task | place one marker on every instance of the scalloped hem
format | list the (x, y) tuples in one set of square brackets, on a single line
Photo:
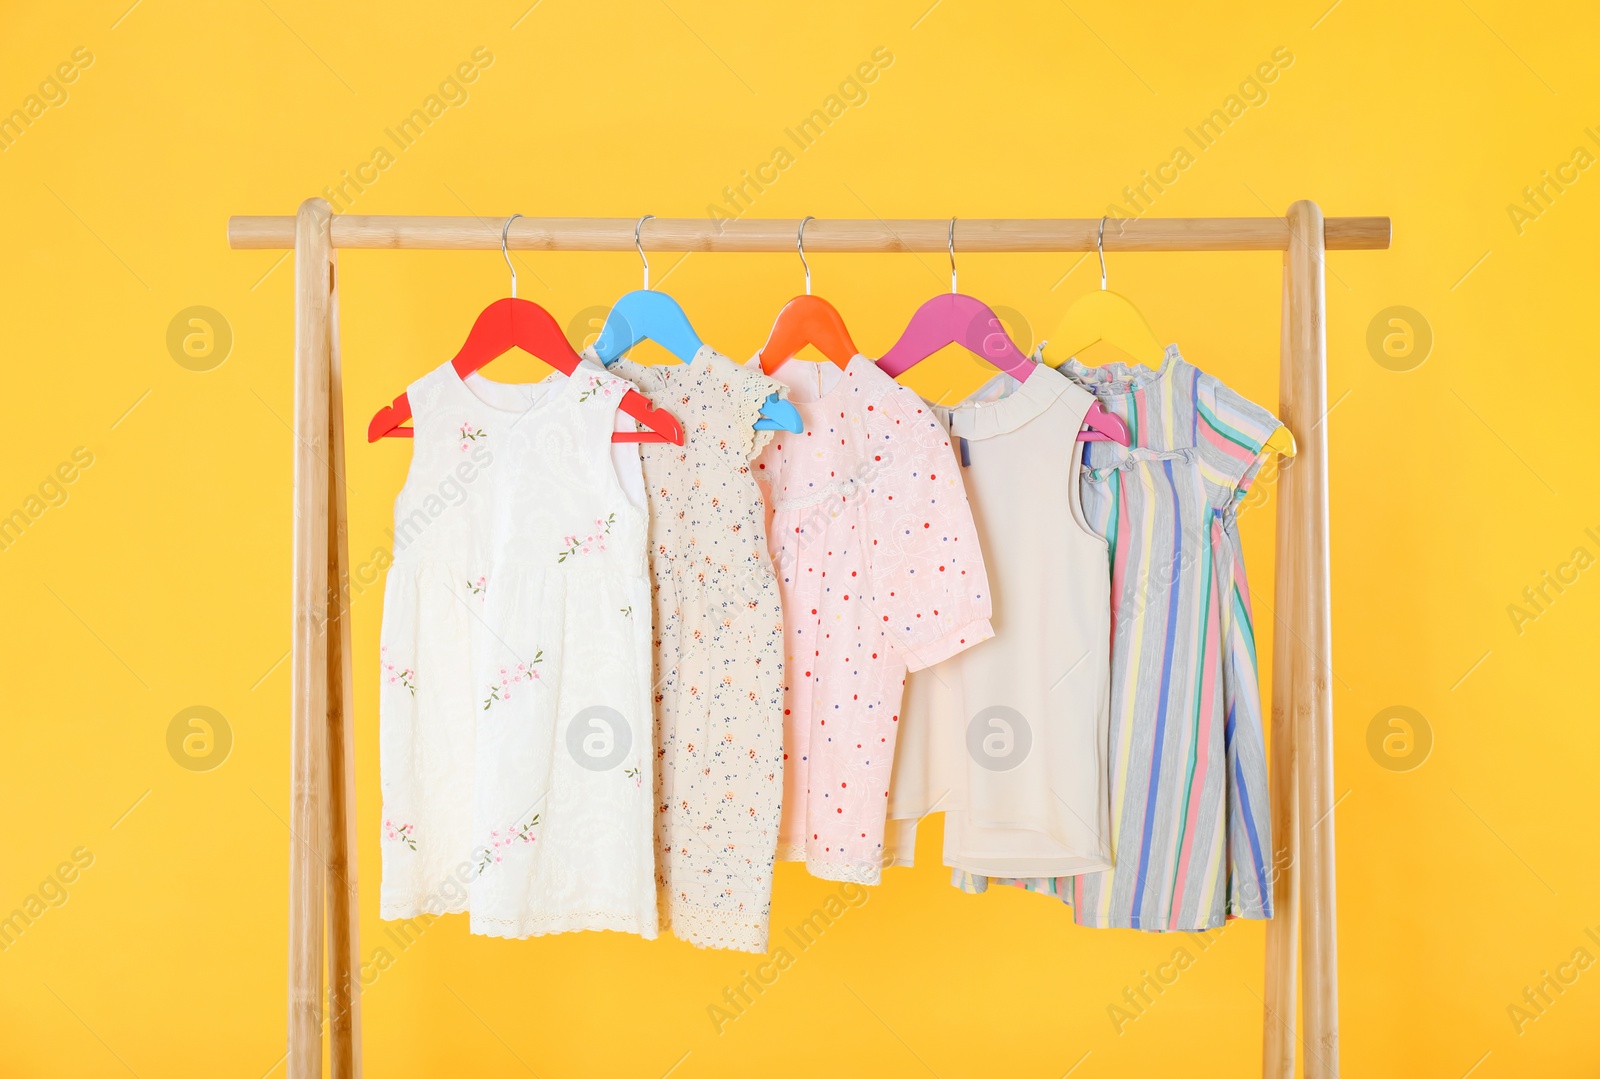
[(393, 910), (844, 872), (714, 930), (548, 924)]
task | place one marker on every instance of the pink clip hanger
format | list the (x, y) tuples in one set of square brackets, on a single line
[(956, 320)]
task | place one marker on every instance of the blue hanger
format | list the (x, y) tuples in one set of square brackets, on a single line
[(646, 314)]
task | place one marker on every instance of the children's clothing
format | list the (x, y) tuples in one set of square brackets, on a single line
[(880, 571), (1189, 814), (514, 711), (1008, 739), (718, 654)]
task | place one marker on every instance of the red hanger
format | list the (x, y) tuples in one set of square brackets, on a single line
[(807, 320), (956, 320), (523, 324)]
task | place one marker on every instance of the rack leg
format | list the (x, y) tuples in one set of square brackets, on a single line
[(309, 650), (344, 990), (1313, 696), (1278, 1021)]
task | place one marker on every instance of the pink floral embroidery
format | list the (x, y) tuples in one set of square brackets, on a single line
[(636, 775), (603, 388), (510, 676), (478, 587), (404, 676), (469, 434), (594, 541), (494, 854), (401, 832)]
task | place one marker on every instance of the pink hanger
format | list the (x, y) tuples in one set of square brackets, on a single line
[(956, 320), (1102, 426)]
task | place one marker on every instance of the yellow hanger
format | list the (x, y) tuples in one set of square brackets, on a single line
[(1111, 318), (1104, 316)]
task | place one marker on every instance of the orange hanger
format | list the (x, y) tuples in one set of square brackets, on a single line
[(807, 320)]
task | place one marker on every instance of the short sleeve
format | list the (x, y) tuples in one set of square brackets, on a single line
[(1230, 433), (929, 589), (750, 392)]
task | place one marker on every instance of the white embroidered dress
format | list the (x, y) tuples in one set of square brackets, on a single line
[(514, 712)]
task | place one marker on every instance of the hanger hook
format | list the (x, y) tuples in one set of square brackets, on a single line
[(640, 246), (505, 254), (951, 244), (1100, 248), (800, 246)]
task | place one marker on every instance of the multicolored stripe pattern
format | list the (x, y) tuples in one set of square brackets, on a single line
[(1189, 815)]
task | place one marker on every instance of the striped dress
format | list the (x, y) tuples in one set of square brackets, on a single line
[(1189, 814)]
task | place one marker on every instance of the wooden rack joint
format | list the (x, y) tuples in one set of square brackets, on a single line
[(1302, 937)]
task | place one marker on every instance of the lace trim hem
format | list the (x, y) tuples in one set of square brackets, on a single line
[(539, 925), (709, 928), (391, 910), (844, 872)]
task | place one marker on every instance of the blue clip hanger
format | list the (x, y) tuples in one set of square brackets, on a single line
[(644, 314)]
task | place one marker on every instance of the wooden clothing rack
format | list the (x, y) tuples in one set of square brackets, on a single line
[(1301, 937)]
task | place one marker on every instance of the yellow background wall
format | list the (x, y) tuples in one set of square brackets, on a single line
[(158, 578)]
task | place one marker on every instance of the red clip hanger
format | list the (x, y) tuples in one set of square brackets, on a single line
[(523, 324), (510, 323)]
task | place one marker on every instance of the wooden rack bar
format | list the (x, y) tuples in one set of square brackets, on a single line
[(323, 987), (704, 234)]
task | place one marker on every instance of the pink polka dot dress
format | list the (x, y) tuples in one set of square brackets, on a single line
[(880, 573)]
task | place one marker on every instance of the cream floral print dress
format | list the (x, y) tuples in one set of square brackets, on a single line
[(718, 654), (514, 706)]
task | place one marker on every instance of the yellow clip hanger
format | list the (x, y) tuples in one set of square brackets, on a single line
[(1104, 317)]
